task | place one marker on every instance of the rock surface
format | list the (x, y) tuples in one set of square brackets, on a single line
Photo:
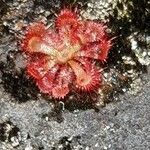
[(121, 125), (30, 121)]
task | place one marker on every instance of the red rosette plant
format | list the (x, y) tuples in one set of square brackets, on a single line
[(64, 59)]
